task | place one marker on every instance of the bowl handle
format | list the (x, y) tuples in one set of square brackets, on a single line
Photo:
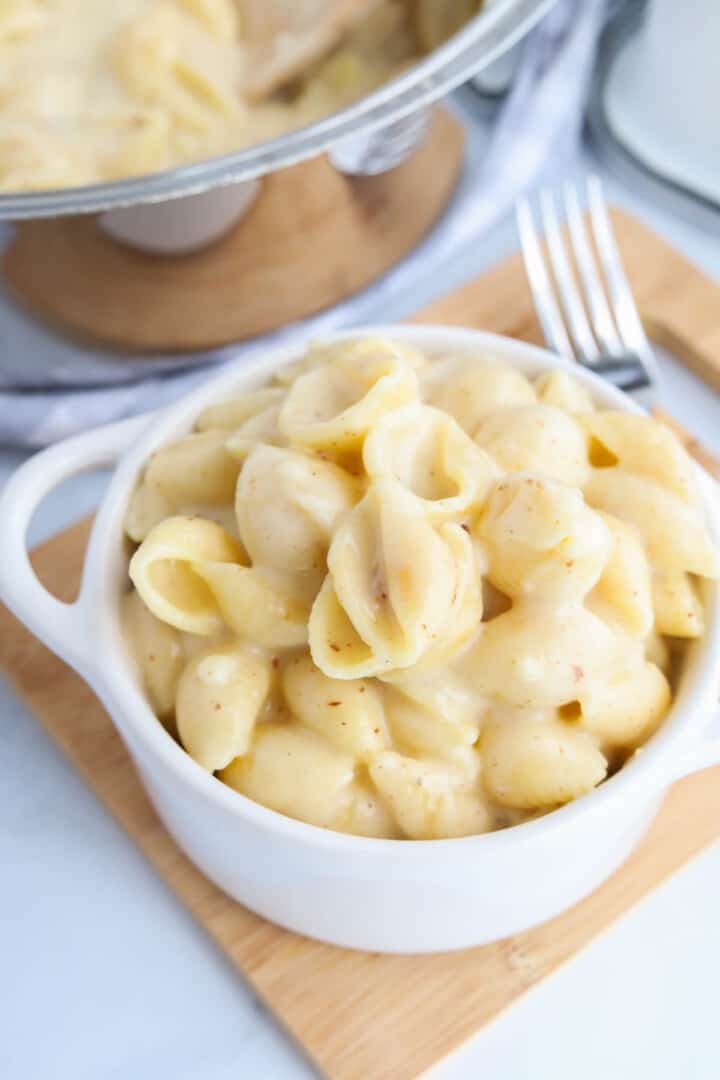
[(59, 625)]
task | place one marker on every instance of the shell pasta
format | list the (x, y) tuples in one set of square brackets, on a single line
[(414, 597)]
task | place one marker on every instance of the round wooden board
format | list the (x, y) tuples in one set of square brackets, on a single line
[(312, 238)]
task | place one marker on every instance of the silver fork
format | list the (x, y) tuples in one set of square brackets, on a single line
[(596, 321)]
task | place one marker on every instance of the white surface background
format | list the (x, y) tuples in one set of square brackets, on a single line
[(104, 975)]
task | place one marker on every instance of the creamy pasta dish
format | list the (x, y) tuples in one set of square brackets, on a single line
[(92, 92), (417, 597)]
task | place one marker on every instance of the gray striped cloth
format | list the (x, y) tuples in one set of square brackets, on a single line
[(52, 387)]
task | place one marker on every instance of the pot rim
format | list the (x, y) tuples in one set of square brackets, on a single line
[(478, 44)]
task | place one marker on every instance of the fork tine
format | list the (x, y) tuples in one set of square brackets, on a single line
[(546, 307), (570, 297), (601, 318), (626, 313)]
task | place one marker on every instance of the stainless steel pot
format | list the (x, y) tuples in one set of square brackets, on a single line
[(368, 136)]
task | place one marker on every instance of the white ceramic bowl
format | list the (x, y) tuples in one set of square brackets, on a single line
[(380, 895)]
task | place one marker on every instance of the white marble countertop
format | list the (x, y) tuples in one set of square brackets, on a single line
[(104, 975)]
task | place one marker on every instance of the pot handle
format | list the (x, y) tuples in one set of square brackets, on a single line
[(59, 625)]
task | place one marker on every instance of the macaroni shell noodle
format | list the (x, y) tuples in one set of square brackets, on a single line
[(164, 59), (419, 730), (429, 799), (530, 764), (288, 506), (471, 389), (445, 695), (231, 415), (413, 596), (335, 644), (146, 142), (298, 773), (347, 712), (539, 656), (642, 446), (673, 531), (676, 606), (398, 580), (20, 19), (220, 17), (559, 389), (31, 160), (197, 469), (219, 697), (536, 438), (430, 455), (148, 507), (261, 428), (658, 652), (350, 353), (259, 603), (465, 612), (333, 407), (541, 539), (164, 572), (192, 473), (319, 353), (623, 594), (160, 653), (626, 708)]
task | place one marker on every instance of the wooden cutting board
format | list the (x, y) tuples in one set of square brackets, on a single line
[(364, 1016)]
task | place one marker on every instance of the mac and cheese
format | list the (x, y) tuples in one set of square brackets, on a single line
[(91, 92), (410, 597)]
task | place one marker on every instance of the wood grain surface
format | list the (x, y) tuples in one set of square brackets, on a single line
[(359, 1016), (311, 238)]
